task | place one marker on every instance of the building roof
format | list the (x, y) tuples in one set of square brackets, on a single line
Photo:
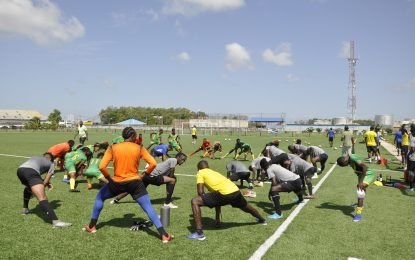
[(131, 121), (266, 119), (18, 114)]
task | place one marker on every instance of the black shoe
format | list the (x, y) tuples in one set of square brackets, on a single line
[(74, 190)]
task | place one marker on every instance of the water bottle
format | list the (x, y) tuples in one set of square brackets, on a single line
[(165, 216)]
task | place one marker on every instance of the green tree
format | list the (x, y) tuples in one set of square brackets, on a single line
[(55, 116)]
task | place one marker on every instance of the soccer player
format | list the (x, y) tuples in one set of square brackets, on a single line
[(317, 155), (299, 149), (59, 151), (174, 140), (365, 177), (194, 134), (238, 145), (29, 174), (82, 131), (75, 163), (370, 140), (282, 180), (411, 159), (161, 150), (256, 170), (301, 167), (93, 171), (398, 141), (238, 171), (331, 134), (348, 141), (155, 138), (223, 192), (217, 147), (125, 157), (405, 145), (164, 174), (206, 147), (246, 148), (271, 151)]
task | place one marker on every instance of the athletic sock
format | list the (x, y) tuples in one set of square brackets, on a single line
[(93, 222), (72, 183), (276, 200), (169, 190), (26, 197), (310, 189), (359, 210), (65, 176), (89, 180), (47, 208), (199, 231)]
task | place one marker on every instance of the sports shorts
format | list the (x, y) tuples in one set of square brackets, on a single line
[(289, 186), (29, 177), (369, 178), (310, 172), (153, 180), (235, 199), (331, 139), (371, 149), (93, 173), (135, 188), (194, 137)]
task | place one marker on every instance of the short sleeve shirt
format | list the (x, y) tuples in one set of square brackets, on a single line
[(164, 167), (216, 182)]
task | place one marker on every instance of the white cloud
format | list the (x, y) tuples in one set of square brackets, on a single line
[(183, 56), (408, 86), (345, 50), (291, 77), (237, 57), (282, 56), (194, 7), (41, 21)]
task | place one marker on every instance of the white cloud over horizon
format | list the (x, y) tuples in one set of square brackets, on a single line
[(282, 56), (195, 7), (40, 21), (237, 57), (183, 56), (407, 86), (291, 77)]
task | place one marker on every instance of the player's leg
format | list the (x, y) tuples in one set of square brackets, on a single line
[(208, 199), (170, 184), (275, 197), (119, 197), (103, 194)]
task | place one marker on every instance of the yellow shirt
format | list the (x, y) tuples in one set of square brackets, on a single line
[(215, 181), (370, 138), (405, 139), (194, 131)]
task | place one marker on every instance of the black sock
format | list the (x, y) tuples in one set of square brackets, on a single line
[(27, 193), (323, 166), (47, 208), (162, 231), (93, 222), (276, 199), (310, 188), (199, 231), (169, 190)]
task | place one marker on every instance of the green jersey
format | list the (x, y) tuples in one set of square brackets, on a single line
[(356, 162), (93, 168), (76, 157), (156, 138), (118, 139)]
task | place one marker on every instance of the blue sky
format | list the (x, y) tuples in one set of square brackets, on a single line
[(217, 56)]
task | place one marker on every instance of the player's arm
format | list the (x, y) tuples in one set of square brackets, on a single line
[(171, 172), (362, 176), (105, 161), (145, 155), (200, 149), (200, 189)]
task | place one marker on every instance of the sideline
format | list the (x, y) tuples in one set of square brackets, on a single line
[(260, 252)]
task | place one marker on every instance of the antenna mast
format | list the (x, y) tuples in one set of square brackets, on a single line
[(351, 101)]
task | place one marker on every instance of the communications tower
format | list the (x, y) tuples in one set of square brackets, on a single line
[(351, 101)]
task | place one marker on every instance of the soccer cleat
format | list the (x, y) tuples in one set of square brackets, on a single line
[(262, 222), (114, 201), (74, 190), (171, 205), (65, 180), (315, 176), (309, 197), (357, 217), (60, 224), (275, 216), (165, 239), (89, 230), (196, 236), (298, 201), (25, 211)]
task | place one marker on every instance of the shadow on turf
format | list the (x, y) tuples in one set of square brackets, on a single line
[(210, 224), (347, 210), (126, 222), (41, 214)]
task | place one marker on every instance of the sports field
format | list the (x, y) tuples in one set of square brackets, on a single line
[(322, 230)]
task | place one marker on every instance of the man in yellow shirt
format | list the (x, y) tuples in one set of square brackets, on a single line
[(223, 192), (405, 145), (194, 134), (370, 139)]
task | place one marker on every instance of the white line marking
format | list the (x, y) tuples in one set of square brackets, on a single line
[(260, 252), (20, 156)]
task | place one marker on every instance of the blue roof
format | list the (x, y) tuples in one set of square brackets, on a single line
[(266, 119), (131, 122)]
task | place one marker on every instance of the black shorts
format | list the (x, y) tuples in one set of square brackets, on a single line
[(235, 199), (323, 158), (404, 149), (29, 177), (240, 176), (310, 172), (410, 166), (153, 180), (135, 188), (194, 137), (82, 140), (399, 145), (371, 149), (289, 186), (331, 139)]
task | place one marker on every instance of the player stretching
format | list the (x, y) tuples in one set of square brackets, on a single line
[(155, 138), (60, 150), (126, 157), (206, 147), (93, 171)]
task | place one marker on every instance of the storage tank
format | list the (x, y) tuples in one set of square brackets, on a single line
[(384, 120), (339, 121)]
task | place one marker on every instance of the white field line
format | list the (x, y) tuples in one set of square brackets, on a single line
[(20, 156), (260, 252)]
